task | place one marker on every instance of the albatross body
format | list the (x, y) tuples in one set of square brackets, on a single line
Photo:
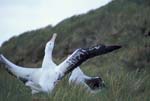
[(38, 79), (44, 79)]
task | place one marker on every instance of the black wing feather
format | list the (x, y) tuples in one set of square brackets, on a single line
[(81, 55)]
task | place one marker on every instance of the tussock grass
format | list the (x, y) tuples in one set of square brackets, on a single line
[(126, 72), (121, 85)]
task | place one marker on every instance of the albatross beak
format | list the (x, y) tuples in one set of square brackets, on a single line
[(53, 37)]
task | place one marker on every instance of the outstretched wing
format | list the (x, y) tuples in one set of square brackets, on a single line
[(79, 78), (81, 55), (22, 73)]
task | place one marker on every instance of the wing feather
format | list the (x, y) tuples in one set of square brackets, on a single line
[(21, 73), (81, 55)]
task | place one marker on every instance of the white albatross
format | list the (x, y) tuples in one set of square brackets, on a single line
[(44, 79), (93, 84)]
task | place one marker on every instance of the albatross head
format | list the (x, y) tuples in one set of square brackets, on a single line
[(50, 44)]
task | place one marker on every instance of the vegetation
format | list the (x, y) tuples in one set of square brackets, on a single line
[(126, 71)]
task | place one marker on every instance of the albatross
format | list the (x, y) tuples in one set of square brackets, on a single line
[(45, 79), (94, 84)]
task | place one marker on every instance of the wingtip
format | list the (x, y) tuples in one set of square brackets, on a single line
[(114, 47), (1, 57), (117, 46), (95, 83), (110, 48)]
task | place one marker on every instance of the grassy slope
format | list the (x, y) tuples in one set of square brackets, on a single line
[(125, 22)]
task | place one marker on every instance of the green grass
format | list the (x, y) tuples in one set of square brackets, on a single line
[(126, 71), (121, 85)]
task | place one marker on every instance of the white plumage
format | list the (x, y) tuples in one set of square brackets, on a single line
[(45, 78), (92, 83), (38, 79)]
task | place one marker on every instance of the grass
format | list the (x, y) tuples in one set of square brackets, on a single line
[(126, 72), (121, 85)]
